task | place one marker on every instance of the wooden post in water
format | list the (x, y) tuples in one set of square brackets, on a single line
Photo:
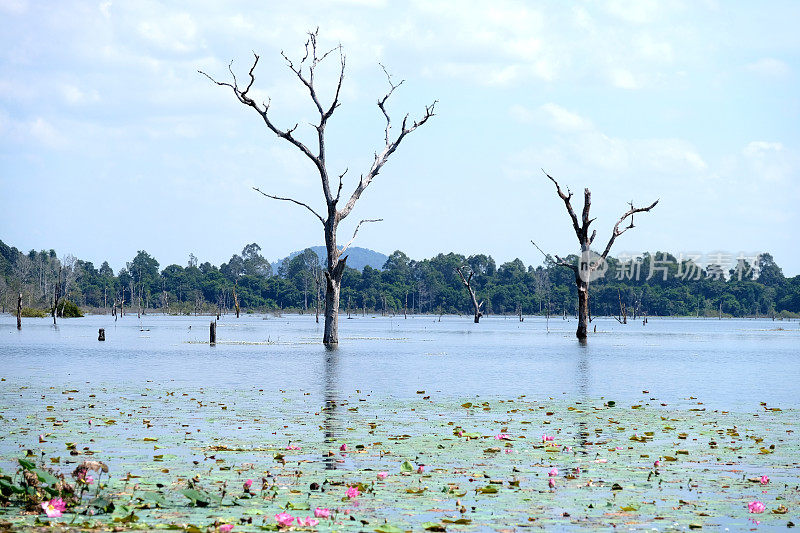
[(19, 311), (101, 334), (213, 333)]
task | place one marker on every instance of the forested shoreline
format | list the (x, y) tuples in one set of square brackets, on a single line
[(404, 285)]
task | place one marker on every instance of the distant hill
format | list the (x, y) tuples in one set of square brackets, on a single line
[(357, 257)]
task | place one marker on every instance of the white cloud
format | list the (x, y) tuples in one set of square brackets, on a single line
[(579, 140), (769, 161), (175, 33), (624, 79), (634, 11), (15, 7), (105, 8), (75, 96), (564, 120), (769, 67)]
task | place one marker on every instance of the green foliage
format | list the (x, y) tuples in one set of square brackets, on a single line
[(29, 312), (425, 286), (67, 309)]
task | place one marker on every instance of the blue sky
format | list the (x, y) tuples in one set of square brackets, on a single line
[(111, 142)]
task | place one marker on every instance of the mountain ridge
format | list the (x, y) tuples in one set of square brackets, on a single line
[(357, 257)]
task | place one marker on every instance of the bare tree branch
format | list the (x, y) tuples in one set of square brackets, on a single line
[(291, 200), (339, 190), (617, 232), (390, 146), (243, 97), (567, 203), (346, 246), (467, 283)]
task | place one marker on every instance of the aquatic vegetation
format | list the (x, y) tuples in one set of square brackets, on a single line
[(217, 460)]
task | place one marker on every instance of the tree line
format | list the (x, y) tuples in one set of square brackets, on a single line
[(403, 285)]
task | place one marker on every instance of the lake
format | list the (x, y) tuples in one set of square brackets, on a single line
[(403, 389)]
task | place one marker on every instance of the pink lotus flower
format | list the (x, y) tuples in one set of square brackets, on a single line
[(420, 469), (54, 508), (552, 483), (755, 507), (502, 436), (553, 472), (657, 463), (577, 470), (247, 485), (546, 438), (764, 480), (225, 528), (343, 447), (460, 433), (284, 519), (321, 512), (308, 522), (383, 475), (292, 447), (352, 492)]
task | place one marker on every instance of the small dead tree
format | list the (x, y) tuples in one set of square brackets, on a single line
[(590, 264), (467, 283), (304, 70)]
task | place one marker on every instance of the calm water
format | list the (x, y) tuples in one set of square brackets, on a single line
[(727, 364)]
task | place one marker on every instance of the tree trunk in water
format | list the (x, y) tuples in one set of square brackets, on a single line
[(333, 281), (583, 309), (333, 286), (478, 317), (19, 311)]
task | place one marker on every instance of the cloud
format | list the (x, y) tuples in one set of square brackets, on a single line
[(578, 140), (175, 32), (769, 67), (564, 120), (634, 11), (37, 130), (75, 96), (15, 7), (624, 79), (769, 161)]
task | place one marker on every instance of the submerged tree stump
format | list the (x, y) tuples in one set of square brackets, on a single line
[(19, 311), (212, 338), (101, 334)]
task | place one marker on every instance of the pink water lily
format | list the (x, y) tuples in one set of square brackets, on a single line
[(552, 483), (764, 480), (247, 485), (54, 508), (657, 463), (756, 507), (292, 447), (353, 492), (546, 438), (343, 447), (553, 472), (460, 433), (322, 512), (225, 528), (284, 519), (502, 436), (308, 522), (383, 475), (420, 469)]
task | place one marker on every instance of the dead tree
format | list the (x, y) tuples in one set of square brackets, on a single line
[(304, 70), (623, 310), (589, 263), (56, 296), (19, 311), (467, 283)]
